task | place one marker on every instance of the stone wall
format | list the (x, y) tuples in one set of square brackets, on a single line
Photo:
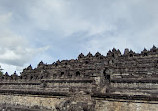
[(105, 105), (30, 101), (134, 88), (129, 76), (50, 103)]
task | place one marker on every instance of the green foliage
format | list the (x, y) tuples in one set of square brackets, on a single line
[(1, 73)]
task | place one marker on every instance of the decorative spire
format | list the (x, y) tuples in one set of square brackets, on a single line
[(6, 74), (109, 53), (58, 61), (154, 47), (81, 55), (113, 50), (119, 52), (131, 51), (29, 67), (15, 73), (97, 54), (126, 52), (89, 55), (144, 49), (40, 64)]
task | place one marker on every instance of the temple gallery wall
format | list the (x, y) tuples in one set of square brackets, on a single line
[(115, 82)]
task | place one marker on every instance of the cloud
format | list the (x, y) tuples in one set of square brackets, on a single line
[(125, 19), (15, 50), (70, 27), (67, 17)]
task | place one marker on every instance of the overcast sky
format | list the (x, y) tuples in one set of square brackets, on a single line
[(48, 30)]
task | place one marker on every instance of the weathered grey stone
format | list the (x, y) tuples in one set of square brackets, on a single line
[(131, 76)]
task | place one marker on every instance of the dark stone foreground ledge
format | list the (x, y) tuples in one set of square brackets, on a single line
[(94, 95), (125, 80), (126, 97), (35, 92)]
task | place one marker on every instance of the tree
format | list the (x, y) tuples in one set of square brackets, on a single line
[(1, 73)]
